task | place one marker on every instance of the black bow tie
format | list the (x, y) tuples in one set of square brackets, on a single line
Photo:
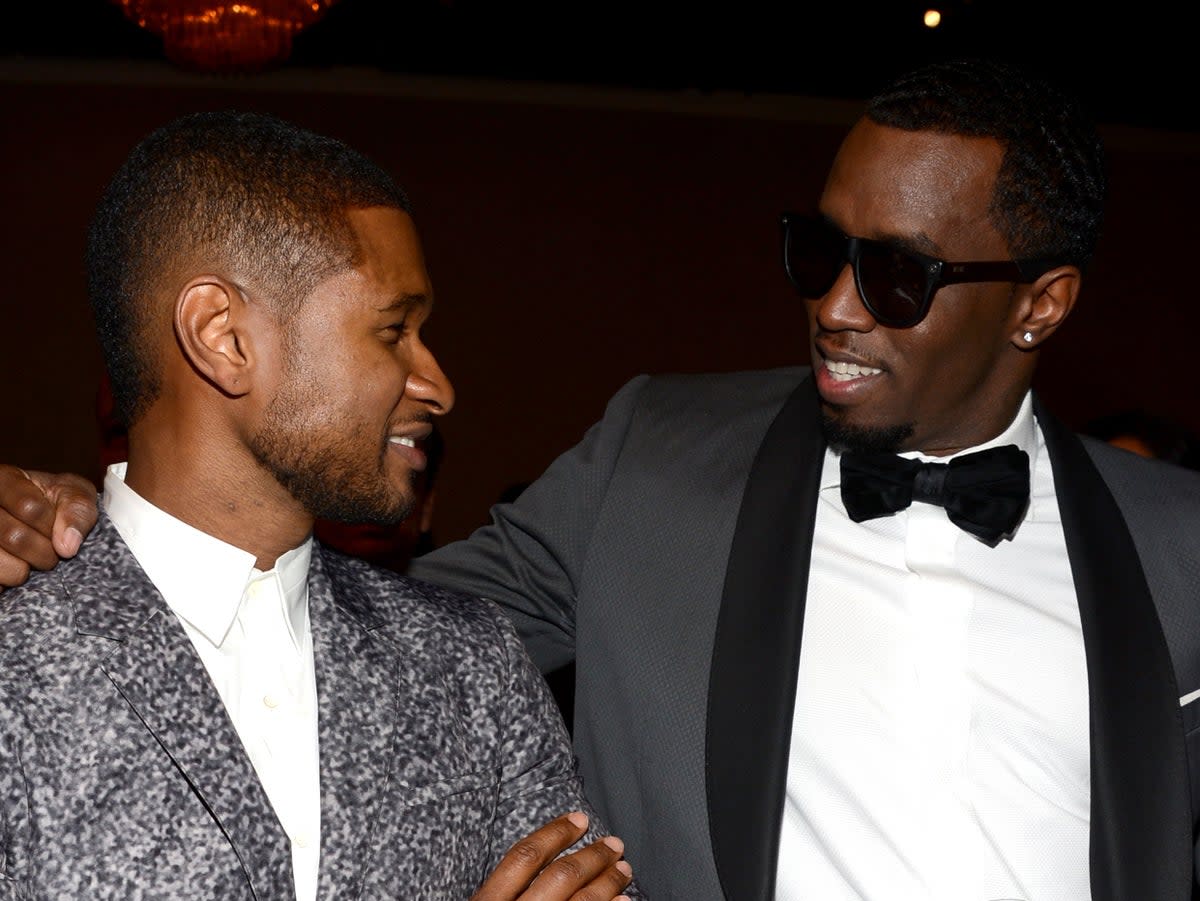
[(984, 493)]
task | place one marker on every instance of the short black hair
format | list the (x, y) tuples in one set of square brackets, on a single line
[(1050, 192), (257, 198)]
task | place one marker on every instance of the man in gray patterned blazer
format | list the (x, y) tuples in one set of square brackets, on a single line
[(206, 703)]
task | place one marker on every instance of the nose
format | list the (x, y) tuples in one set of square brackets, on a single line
[(428, 384), (841, 308)]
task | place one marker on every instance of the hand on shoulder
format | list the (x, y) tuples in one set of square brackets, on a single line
[(43, 518)]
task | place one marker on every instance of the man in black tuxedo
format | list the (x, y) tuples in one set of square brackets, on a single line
[(882, 628)]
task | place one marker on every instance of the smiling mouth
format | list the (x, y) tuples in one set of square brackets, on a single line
[(844, 372), (400, 439)]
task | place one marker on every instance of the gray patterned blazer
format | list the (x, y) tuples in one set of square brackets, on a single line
[(121, 775)]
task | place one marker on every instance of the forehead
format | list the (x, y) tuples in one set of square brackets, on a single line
[(389, 260), (931, 188)]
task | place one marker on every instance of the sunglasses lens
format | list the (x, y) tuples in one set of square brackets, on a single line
[(814, 255), (893, 282)]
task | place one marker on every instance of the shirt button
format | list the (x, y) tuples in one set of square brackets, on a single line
[(270, 701), (301, 841)]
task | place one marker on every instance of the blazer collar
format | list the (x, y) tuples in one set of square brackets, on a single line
[(155, 668), (361, 681), (111, 595), (359, 690), (756, 652)]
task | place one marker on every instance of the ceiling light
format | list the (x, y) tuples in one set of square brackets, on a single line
[(211, 36)]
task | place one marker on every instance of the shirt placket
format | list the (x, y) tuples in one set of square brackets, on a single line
[(940, 604), (277, 694)]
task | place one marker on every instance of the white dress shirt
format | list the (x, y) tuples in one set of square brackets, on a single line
[(251, 631), (940, 747)]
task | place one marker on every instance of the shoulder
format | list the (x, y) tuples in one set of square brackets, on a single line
[(1141, 484), (30, 608), (707, 390), (39, 645), (36, 613), (465, 638), (381, 597), (1160, 505), (701, 400), (1146, 490)]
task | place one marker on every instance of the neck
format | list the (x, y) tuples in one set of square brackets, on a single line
[(980, 423), (217, 493)]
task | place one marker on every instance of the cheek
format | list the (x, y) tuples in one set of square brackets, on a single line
[(379, 388), (956, 354), (810, 316), (371, 369), (387, 379)]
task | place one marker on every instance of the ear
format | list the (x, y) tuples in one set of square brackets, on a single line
[(208, 326), (1046, 305)]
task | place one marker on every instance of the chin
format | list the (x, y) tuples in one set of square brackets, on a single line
[(352, 501), (370, 510), (843, 436)]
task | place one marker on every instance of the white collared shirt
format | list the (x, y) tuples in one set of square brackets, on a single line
[(940, 746), (251, 631)]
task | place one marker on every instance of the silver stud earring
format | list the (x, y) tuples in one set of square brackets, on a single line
[(1028, 336)]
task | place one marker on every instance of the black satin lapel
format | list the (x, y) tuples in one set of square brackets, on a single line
[(1141, 844), (159, 674), (756, 653)]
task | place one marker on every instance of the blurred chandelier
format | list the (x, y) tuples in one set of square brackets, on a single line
[(211, 36)]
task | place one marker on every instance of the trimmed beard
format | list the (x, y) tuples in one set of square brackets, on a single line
[(323, 469), (845, 438)]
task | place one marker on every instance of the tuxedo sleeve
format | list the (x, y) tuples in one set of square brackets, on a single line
[(528, 559)]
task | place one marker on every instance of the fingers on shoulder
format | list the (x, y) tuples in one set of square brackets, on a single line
[(73, 497), (593, 873), (24, 501), (26, 527), (74, 508), (21, 547)]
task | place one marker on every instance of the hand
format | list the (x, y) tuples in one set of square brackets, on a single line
[(530, 872), (43, 517)]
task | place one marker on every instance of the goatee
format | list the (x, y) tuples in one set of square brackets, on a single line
[(843, 437)]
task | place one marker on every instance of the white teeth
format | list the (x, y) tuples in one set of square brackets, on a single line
[(398, 439), (844, 372)]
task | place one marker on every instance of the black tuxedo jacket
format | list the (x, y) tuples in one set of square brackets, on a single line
[(669, 553)]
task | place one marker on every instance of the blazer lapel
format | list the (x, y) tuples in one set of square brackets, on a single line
[(358, 685), (156, 669), (1141, 837), (756, 650)]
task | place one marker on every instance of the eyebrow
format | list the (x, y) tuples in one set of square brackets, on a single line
[(919, 242), (405, 300)]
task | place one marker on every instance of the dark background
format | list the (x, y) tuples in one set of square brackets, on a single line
[(1134, 64), (598, 188)]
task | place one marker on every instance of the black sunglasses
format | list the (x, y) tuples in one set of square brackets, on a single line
[(896, 285)]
